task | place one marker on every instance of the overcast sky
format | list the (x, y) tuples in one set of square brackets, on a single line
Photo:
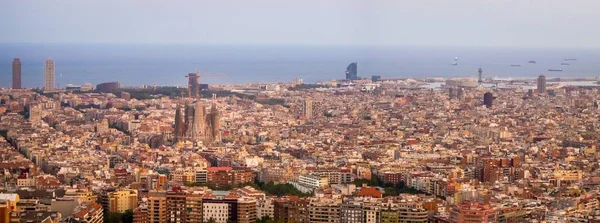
[(516, 23)]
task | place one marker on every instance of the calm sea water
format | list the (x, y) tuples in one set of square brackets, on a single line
[(168, 64)]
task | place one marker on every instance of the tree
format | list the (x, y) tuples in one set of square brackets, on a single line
[(265, 219), (114, 217), (128, 216), (211, 220)]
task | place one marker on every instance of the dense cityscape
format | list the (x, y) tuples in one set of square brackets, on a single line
[(352, 150)]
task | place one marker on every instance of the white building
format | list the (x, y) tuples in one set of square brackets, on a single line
[(216, 211)]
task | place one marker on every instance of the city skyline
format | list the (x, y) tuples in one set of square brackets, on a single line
[(338, 111)]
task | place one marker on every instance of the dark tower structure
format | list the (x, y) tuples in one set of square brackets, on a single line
[(197, 126), (541, 84), (488, 99), (16, 73), (215, 122), (480, 75), (193, 85), (352, 71), (180, 127)]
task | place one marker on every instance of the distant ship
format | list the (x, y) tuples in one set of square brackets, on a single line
[(554, 69), (531, 61), (455, 62), (565, 64), (570, 59), (515, 65)]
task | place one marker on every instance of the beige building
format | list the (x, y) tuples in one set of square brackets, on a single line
[(122, 200), (157, 207), (265, 208), (246, 210)]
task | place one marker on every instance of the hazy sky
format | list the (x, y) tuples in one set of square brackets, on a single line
[(516, 23)]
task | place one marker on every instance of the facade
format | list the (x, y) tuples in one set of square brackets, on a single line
[(108, 87), (89, 213), (122, 200), (197, 127), (193, 85), (488, 99), (184, 207), (307, 109), (140, 214), (16, 73), (157, 207), (541, 84), (322, 212), (389, 215), (472, 212), (225, 209), (219, 212), (375, 78), (291, 209), (313, 181), (265, 208), (35, 114), (180, 127), (126, 95), (215, 122), (228, 176), (49, 75), (220, 176), (195, 124), (246, 210), (5, 209), (352, 71), (412, 212), (352, 212)]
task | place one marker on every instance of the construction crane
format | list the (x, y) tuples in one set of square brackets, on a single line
[(194, 82)]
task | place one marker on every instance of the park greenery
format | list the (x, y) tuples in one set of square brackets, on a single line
[(270, 188)]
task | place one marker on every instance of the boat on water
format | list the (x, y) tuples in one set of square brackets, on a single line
[(565, 64), (570, 59), (455, 62), (554, 69), (515, 65), (531, 61)]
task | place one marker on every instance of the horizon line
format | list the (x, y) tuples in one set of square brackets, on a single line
[(307, 45)]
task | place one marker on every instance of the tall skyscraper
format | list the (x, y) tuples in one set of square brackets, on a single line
[(541, 84), (488, 99), (193, 85), (49, 75), (16, 73), (352, 71)]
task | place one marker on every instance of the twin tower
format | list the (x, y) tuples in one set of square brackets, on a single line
[(194, 123)]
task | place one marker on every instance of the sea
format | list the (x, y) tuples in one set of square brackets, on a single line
[(167, 65)]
